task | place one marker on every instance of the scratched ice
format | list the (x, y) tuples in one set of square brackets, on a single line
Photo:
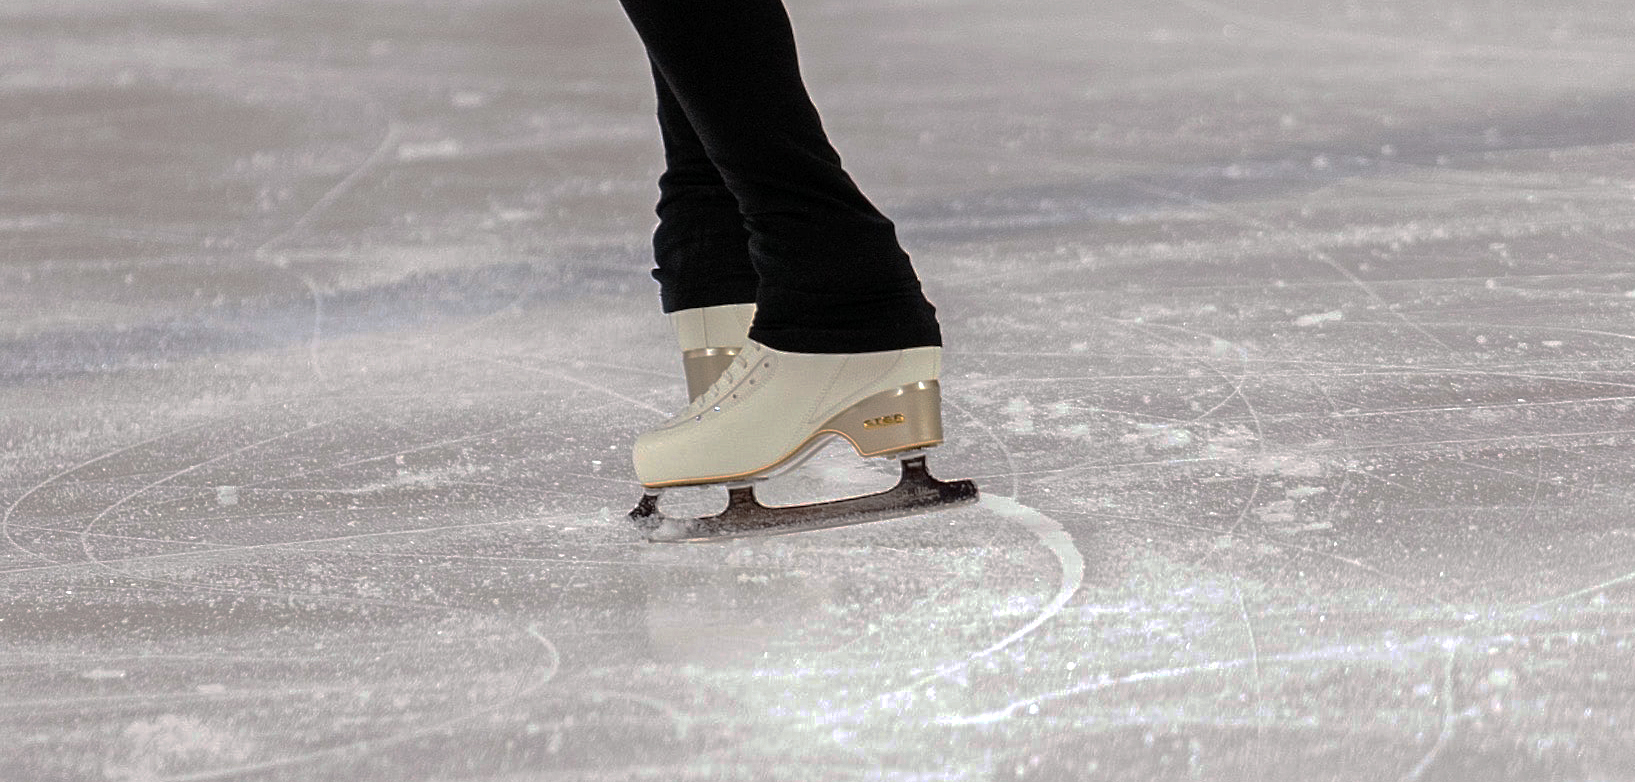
[(1292, 343)]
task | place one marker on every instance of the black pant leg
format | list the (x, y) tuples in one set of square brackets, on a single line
[(701, 245), (833, 277)]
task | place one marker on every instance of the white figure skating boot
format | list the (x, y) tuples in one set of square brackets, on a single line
[(770, 410), (710, 338)]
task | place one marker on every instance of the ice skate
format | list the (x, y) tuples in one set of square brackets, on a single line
[(710, 338), (769, 411)]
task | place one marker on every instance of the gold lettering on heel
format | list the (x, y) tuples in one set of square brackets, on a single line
[(894, 420), (885, 421)]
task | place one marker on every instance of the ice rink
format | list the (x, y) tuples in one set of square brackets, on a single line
[(1292, 343)]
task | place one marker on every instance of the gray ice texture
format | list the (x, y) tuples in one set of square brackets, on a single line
[(1292, 342)]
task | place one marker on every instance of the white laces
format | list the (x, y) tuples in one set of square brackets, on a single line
[(729, 379)]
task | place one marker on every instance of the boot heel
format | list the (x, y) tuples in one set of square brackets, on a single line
[(902, 419)]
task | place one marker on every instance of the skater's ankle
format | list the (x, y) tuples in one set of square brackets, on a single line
[(890, 316)]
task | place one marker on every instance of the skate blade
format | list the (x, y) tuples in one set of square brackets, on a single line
[(916, 492)]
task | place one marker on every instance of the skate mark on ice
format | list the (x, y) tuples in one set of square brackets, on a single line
[(1237, 383), (1257, 425), (1335, 414), (949, 580), (265, 252), (1607, 241), (366, 746), (388, 145), (317, 326), (1357, 653), (1538, 484), (1010, 459), (1375, 42), (91, 560), (1284, 544), (317, 312), (681, 721), (1055, 538), (1450, 720), (597, 387), (502, 563), (169, 699), (389, 455), (1051, 534), (226, 550), (1574, 595), (5, 518), (1420, 445), (1403, 445), (1305, 367), (206, 547), (1254, 657), (434, 343), (1544, 327), (85, 532), (1439, 409), (1361, 371), (187, 492), (237, 549), (1312, 251), (1616, 563)]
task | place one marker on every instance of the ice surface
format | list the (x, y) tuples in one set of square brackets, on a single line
[(1292, 343)]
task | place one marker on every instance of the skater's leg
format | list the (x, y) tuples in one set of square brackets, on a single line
[(701, 247), (844, 343), (833, 278)]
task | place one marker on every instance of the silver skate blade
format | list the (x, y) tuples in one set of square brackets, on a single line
[(916, 492)]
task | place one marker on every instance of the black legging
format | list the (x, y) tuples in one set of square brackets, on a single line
[(754, 205)]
